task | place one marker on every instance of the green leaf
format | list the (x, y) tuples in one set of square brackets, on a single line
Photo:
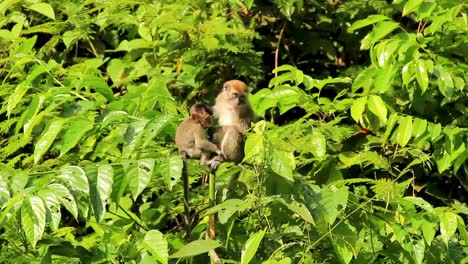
[(33, 216), (70, 37), (156, 244), (392, 120), (52, 203), (100, 183), (372, 19), (429, 229), (171, 170), (421, 74), (299, 209), (154, 127), (377, 106), (419, 127), (16, 97), (411, 6), (145, 32), (44, 9), (140, 174), (345, 241), (196, 247), (318, 144), (75, 177), (251, 246), (226, 209), (210, 43), (283, 164), (254, 148), (32, 110), (120, 183), (66, 198), (380, 30), (132, 137), (331, 198), (358, 108), (47, 138), (5, 4), (405, 130), (115, 69), (74, 134), (448, 226)]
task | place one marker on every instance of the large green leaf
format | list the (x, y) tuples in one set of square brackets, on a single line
[(100, 183), (229, 207), (331, 198), (405, 129), (421, 70), (196, 247), (52, 204), (377, 106), (283, 163), (155, 243), (44, 9), (47, 138), (66, 198), (381, 29), (251, 246), (171, 170), (372, 19), (74, 133), (75, 178), (448, 226), (358, 108), (120, 183), (140, 174), (33, 217)]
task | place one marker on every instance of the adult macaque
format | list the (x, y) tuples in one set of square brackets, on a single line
[(234, 114), (191, 136)]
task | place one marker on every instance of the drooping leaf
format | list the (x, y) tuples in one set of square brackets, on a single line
[(119, 185), (448, 226), (155, 243), (44, 8), (140, 174), (196, 247), (377, 106), (331, 198), (283, 163), (33, 216), (52, 204), (422, 74), (100, 183), (227, 208), (405, 129), (74, 177), (380, 30), (358, 108), (299, 209), (251, 246), (47, 138), (411, 6), (171, 170), (74, 133), (66, 198)]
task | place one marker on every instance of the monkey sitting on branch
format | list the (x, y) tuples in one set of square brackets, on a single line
[(234, 113), (191, 137), (192, 142)]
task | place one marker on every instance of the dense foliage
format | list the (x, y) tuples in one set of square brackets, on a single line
[(359, 155)]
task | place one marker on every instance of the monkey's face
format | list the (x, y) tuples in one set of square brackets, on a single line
[(206, 120), (235, 93)]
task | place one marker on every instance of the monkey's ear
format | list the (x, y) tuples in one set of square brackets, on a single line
[(225, 85)]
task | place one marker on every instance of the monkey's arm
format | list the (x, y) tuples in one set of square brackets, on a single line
[(204, 144)]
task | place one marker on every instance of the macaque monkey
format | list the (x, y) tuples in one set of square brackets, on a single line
[(191, 142), (234, 114), (191, 136)]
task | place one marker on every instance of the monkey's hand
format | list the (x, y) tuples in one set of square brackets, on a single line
[(214, 162)]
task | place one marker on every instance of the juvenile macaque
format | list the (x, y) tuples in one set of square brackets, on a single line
[(234, 114), (191, 137), (192, 143)]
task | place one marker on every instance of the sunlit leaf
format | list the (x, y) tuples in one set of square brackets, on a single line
[(358, 108), (155, 243), (448, 226), (377, 106), (140, 174), (171, 170), (251, 246), (331, 198), (47, 138), (196, 247), (283, 163), (372, 19), (44, 8), (411, 6), (405, 129), (421, 74), (33, 216), (74, 133), (75, 177)]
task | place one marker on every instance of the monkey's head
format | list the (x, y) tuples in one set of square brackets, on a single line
[(202, 113), (234, 93)]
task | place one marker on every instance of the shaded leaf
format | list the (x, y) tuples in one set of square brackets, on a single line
[(251, 246)]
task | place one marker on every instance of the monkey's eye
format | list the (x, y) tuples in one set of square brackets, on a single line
[(235, 95)]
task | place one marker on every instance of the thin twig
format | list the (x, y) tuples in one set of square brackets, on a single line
[(278, 46), (92, 47)]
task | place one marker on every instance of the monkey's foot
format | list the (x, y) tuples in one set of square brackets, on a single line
[(214, 162)]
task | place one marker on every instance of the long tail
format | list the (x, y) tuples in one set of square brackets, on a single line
[(185, 179)]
